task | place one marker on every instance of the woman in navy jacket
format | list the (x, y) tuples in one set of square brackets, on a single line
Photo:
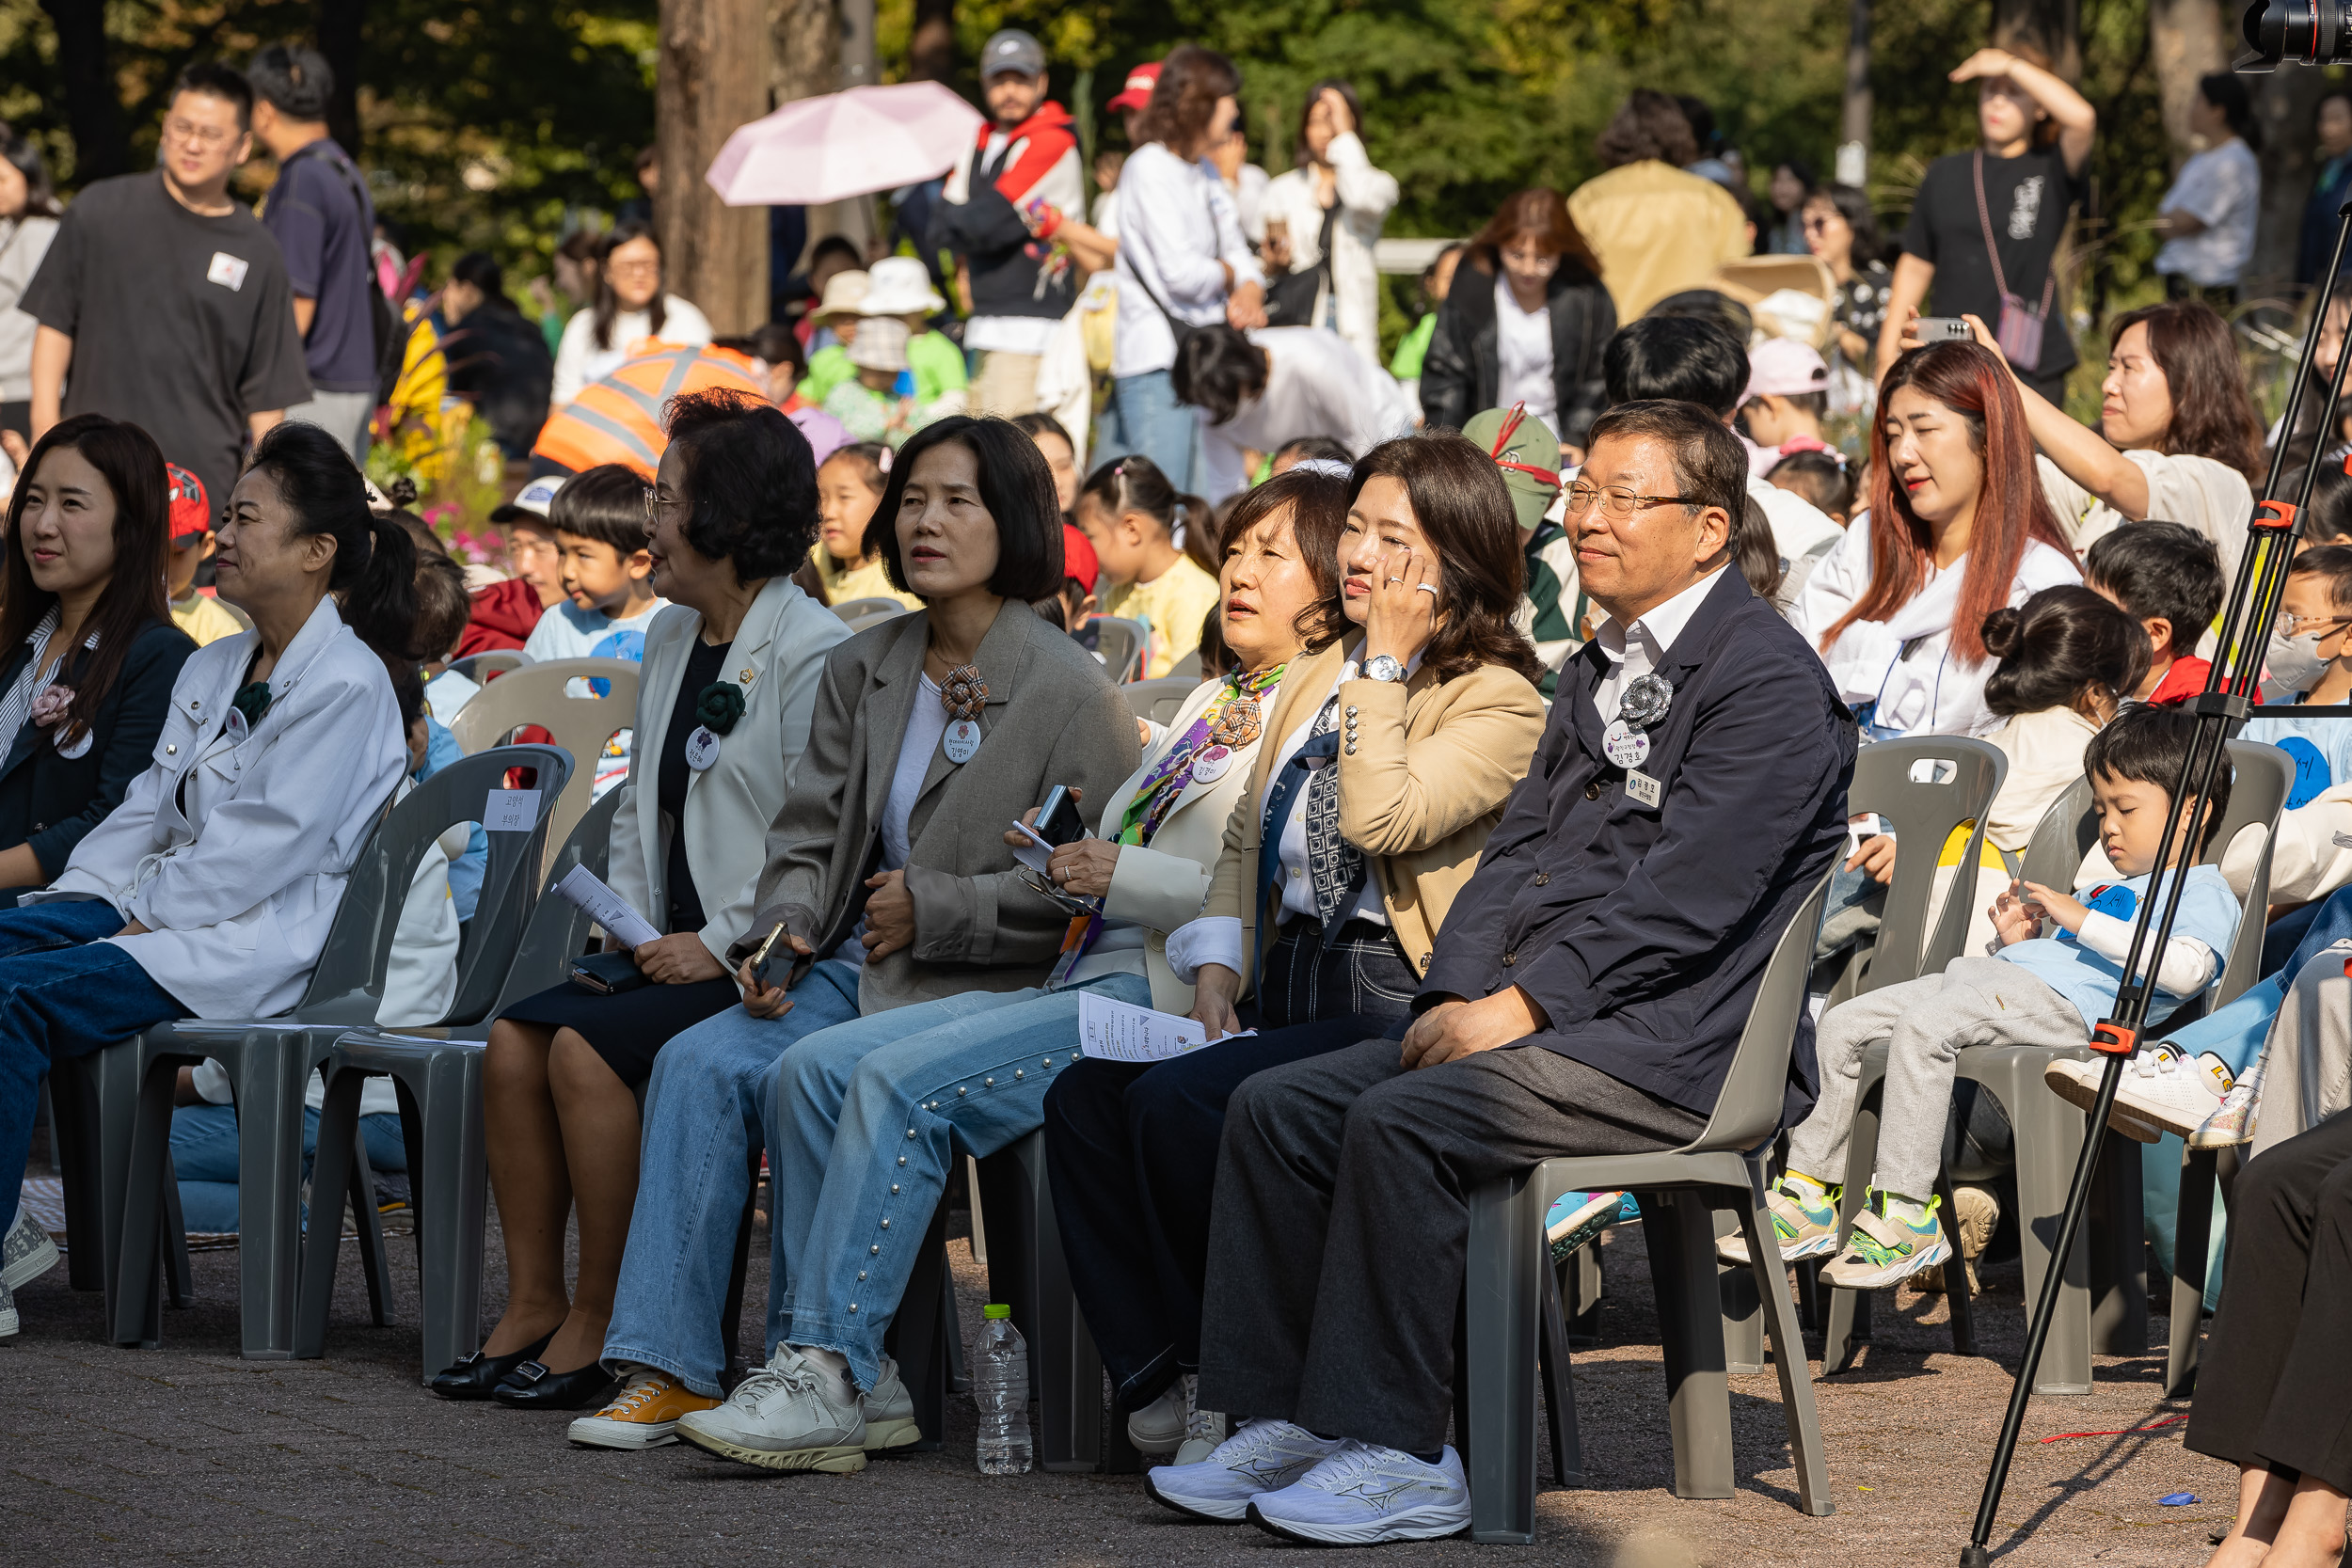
[(91, 651)]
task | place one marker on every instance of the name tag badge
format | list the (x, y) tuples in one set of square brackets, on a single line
[(1625, 745), (1211, 764), (702, 749), (227, 270), (511, 811), (80, 747), (1648, 791), (236, 728), (960, 741)]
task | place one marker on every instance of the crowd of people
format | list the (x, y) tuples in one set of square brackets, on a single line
[(1528, 698)]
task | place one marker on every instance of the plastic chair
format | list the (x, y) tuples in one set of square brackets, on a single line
[(1121, 647), (2103, 1305), (1159, 701), (538, 694), (439, 1076), (1507, 1260), (858, 614), (1926, 787), (269, 1061), (479, 668)]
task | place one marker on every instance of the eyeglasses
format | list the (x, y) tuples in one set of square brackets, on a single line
[(2295, 625), (1817, 225), (660, 506), (189, 130), (1616, 502)]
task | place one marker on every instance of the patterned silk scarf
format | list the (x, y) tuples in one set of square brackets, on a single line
[(1232, 719)]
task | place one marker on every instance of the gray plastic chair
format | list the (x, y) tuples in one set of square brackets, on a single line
[(439, 1076), (1913, 940), (479, 668), (269, 1061), (1725, 1166), (1161, 700), (858, 614), (2103, 1307), (537, 694), (1120, 645)]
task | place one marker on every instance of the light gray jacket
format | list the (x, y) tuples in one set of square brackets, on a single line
[(1053, 718)]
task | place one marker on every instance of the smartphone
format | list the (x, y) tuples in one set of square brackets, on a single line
[(1943, 329), (1057, 819)]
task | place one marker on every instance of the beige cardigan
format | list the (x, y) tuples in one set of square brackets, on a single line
[(1436, 761)]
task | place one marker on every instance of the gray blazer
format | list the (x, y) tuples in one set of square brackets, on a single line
[(1053, 718)]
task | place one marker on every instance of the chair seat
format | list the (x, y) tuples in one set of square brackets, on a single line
[(1664, 1171)]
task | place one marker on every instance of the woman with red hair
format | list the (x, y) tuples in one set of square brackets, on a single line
[(1958, 527)]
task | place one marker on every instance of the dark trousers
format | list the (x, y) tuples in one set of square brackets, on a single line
[(1343, 1185), (1131, 1148), (2276, 1386)]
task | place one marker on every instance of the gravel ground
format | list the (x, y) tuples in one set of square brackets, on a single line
[(191, 1454)]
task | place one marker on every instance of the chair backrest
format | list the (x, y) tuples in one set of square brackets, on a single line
[(1925, 787), (583, 725), (1754, 1091), (1120, 645), (1159, 700), (359, 947), (860, 614), (479, 668), (2061, 839), (558, 930)]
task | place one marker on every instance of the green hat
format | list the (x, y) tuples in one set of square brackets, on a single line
[(1524, 448)]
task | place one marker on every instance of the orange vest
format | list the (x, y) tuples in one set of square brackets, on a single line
[(618, 419)]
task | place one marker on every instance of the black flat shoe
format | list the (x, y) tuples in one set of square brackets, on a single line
[(531, 1386), (473, 1376)]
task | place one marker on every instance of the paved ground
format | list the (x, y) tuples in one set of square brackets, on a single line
[(190, 1454)]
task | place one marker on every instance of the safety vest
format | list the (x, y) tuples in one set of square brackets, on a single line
[(618, 419)]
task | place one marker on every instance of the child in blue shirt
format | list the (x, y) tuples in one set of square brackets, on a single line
[(2035, 990)]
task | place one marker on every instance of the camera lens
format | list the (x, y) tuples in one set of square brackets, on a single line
[(2305, 32)]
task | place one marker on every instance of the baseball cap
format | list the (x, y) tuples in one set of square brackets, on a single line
[(1077, 557), (532, 499), (1524, 448), (1137, 92), (1785, 368), (1011, 50), (190, 513)]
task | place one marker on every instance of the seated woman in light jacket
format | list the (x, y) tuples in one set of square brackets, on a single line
[(887, 883), (723, 714), (209, 891), (1388, 760)]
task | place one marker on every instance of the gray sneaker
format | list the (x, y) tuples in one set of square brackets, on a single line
[(889, 1411), (25, 1253), (7, 1313), (789, 1414)]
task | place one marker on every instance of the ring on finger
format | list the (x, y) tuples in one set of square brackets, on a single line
[(1393, 581), (1427, 588)]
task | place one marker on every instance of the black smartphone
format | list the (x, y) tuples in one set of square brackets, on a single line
[(1057, 819), (1943, 329)]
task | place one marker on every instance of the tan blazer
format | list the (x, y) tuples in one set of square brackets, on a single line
[(1432, 769), (1053, 718), (1161, 886)]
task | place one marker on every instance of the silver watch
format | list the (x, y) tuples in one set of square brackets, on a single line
[(1383, 667)]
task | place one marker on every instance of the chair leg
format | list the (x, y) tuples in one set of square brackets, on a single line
[(450, 1184), (270, 1075), (1068, 1370), (76, 1141), (919, 1336), (1956, 1289), (360, 1189), (330, 1168), (2192, 1240), (1496, 1374), (1689, 1317), (137, 1123), (979, 1220), (731, 1320), (1796, 1380), (1743, 1324), (959, 1378), (1586, 1290), (1848, 1322), (2119, 1253), (2049, 1136), (179, 1279), (1567, 1447)]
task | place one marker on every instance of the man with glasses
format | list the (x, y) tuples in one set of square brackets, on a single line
[(1586, 995), (164, 302)]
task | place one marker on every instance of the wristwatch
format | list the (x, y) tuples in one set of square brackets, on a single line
[(1383, 667)]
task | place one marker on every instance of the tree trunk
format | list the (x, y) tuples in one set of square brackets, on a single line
[(2053, 27), (91, 105), (932, 52), (1853, 122), (2285, 107), (2184, 42), (711, 77), (340, 23), (808, 38)]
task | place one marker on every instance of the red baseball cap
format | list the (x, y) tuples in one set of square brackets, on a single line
[(1137, 92), (1077, 557), (190, 513)]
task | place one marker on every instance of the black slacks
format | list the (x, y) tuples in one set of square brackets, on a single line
[(1336, 1252), (2277, 1384)]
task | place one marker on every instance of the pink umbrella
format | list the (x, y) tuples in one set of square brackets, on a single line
[(845, 144)]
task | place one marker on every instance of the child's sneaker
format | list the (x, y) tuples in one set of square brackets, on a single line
[(1978, 1214), (2161, 1091), (2233, 1121), (1575, 1218), (1882, 1251), (1804, 1222)]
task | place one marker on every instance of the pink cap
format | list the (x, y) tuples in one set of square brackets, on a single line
[(1784, 368)]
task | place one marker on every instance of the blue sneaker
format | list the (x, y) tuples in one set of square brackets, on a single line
[(1576, 1218), (1364, 1494)]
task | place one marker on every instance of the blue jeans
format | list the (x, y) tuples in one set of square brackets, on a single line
[(64, 993), (707, 1108), (204, 1158), (874, 1114), (1152, 422)]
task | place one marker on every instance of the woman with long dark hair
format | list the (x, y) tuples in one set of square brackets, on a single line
[(28, 221), (631, 306), (92, 648), (1333, 187), (210, 890), (1842, 233), (1958, 527), (1524, 322)]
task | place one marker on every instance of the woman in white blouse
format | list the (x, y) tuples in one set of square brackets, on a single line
[(1333, 183), (631, 307), (1957, 529)]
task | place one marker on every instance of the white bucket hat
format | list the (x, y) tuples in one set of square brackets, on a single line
[(898, 286)]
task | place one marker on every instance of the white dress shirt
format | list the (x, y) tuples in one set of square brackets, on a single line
[(1638, 648)]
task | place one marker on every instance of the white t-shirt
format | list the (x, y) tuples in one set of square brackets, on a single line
[(2223, 186), (1178, 223), (2212, 497), (1523, 351), (579, 360), (567, 631), (925, 726), (1317, 384)]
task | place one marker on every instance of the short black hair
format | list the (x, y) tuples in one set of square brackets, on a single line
[(836, 244), (1216, 371), (1824, 478), (1675, 358), (2159, 568), (1017, 488), (1315, 448), (1710, 465), (293, 78), (1706, 305), (2152, 745), (443, 606), (480, 269), (2059, 643), (2328, 519), (751, 478), (408, 691), (873, 458), (606, 504), (774, 343), (216, 80), (2332, 562)]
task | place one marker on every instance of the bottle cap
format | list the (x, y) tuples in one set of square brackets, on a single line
[(996, 1309)]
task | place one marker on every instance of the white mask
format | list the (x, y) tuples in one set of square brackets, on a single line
[(2295, 664)]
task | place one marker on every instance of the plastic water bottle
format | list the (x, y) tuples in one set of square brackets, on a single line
[(1000, 1386)]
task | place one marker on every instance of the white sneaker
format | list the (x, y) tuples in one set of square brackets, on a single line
[(2161, 1091), (1203, 1430), (789, 1414), (1264, 1456), (1158, 1428), (889, 1411), (26, 1253), (1364, 1494)]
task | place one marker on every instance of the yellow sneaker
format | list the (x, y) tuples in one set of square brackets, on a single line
[(642, 1416)]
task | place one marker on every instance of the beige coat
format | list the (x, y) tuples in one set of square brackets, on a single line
[(1053, 718), (1436, 762)]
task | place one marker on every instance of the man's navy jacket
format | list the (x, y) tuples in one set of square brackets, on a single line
[(1643, 933)]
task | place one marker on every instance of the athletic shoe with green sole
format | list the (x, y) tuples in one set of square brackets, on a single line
[(1804, 1219), (1883, 1251)]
